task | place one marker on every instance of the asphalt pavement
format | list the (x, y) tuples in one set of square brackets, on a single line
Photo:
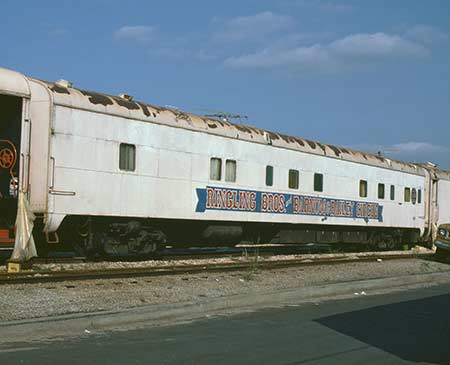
[(397, 328)]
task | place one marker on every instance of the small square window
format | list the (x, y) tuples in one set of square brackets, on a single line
[(318, 182), (269, 175), (293, 179), (230, 171), (419, 196), (363, 188), (380, 191), (215, 169), (127, 157), (392, 192), (407, 195)]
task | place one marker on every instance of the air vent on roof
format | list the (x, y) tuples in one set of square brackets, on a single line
[(64, 83), (126, 97)]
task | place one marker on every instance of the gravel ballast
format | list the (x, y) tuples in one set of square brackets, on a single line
[(27, 301)]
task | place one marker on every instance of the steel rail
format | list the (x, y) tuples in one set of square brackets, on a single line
[(251, 264)]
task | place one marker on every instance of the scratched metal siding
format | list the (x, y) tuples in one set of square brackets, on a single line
[(172, 163), (86, 148)]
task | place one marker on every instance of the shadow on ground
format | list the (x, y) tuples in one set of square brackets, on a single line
[(417, 330)]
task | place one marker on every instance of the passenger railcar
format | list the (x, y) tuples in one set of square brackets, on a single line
[(113, 175)]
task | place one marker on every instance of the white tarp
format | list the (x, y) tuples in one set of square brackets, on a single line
[(24, 247)]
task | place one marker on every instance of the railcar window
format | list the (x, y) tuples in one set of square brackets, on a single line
[(419, 196), (318, 182), (380, 191), (413, 195), (269, 175), (127, 157), (392, 192), (363, 188), (230, 171), (293, 179), (407, 195), (215, 169)]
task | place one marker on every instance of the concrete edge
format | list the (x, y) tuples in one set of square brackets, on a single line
[(75, 325)]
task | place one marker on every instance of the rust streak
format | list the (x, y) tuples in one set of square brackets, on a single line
[(336, 150), (145, 109), (59, 89), (95, 98), (126, 103), (311, 143)]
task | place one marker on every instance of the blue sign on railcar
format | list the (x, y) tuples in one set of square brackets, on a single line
[(217, 198)]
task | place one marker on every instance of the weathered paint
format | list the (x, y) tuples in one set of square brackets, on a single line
[(88, 100), (174, 149), (95, 98), (13, 83)]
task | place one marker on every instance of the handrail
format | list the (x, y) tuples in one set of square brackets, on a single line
[(51, 189)]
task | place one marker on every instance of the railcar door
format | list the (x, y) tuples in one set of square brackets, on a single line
[(10, 139)]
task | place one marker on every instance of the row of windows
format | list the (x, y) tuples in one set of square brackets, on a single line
[(230, 174), (127, 162), (294, 177), (414, 195)]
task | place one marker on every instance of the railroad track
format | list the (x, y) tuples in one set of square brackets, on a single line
[(234, 264), (198, 253)]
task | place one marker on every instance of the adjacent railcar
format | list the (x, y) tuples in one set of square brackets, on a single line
[(116, 176)]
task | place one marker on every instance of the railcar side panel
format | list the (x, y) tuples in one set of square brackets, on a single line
[(443, 198), (173, 163)]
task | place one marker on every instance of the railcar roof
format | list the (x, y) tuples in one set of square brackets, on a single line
[(16, 83), (120, 106)]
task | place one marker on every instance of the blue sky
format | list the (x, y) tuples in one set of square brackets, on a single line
[(372, 75)]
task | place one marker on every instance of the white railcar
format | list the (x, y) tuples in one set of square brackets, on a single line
[(117, 175)]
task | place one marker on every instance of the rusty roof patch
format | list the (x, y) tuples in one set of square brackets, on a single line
[(257, 130), (322, 147), (288, 139), (181, 115), (126, 103), (311, 143), (59, 89), (273, 135), (336, 150), (96, 98), (243, 128), (145, 109), (299, 141)]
